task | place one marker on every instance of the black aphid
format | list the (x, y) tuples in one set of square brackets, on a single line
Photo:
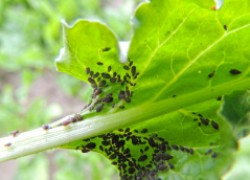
[(14, 133), (121, 107), (99, 107), (109, 68), (76, 117), (204, 121), (143, 158), (100, 63), (45, 127), (7, 144), (126, 67), (131, 170), (106, 49), (175, 147), (174, 95), (112, 156), (219, 98), (209, 151), (91, 73), (211, 74), (225, 27), (96, 75), (214, 155), (215, 125), (91, 80), (106, 75), (87, 70), (235, 71), (113, 80), (108, 99), (102, 83), (134, 140), (97, 91), (151, 142), (133, 71), (90, 145), (131, 63), (144, 130)]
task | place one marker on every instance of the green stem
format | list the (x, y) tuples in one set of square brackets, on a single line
[(40, 140)]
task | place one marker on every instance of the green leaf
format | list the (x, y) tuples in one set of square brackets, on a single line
[(183, 57), (236, 109), (96, 43)]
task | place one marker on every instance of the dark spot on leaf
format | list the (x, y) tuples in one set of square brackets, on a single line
[(99, 107), (219, 98)]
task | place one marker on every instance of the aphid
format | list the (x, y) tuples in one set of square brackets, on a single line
[(97, 91), (76, 117), (127, 130), (14, 133), (219, 98), (214, 155), (109, 68), (91, 73), (114, 74), (45, 127), (151, 142), (131, 63), (99, 63), (121, 107), (215, 125), (204, 121), (106, 75), (106, 49), (175, 147), (133, 71), (96, 75), (91, 80), (90, 145), (67, 122), (143, 158), (113, 156), (174, 95), (108, 99), (102, 83), (144, 130), (8, 144), (131, 170), (126, 67), (134, 140), (99, 107), (87, 70), (210, 75), (225, 27), (121, 95), (235, 71), (209, 151), (128, 76), (113, 80)]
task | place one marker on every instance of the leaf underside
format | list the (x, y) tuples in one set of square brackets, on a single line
[(178, 48)]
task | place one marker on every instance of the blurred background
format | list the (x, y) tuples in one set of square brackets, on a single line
[(32, 93)]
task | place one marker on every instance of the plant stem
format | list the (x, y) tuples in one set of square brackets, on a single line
[(40, 140)]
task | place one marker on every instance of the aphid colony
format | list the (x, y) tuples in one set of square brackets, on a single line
[(136, 154), (205, 121), (121, 84)]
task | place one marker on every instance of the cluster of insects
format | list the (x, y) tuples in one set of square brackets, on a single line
[(121, 86), (137, 154), (205, 121)]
